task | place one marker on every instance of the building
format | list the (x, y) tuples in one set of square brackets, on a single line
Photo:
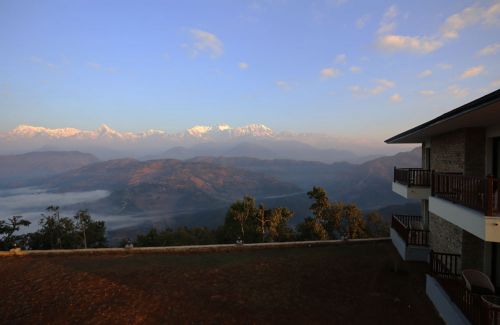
[(458, 186)]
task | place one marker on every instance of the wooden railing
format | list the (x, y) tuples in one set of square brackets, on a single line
[(446, 268), (445, 265), (478, 193), (412, 176), (410, 229), (469, 303)]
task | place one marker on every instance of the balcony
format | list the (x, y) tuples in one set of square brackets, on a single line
[(410, 238), (471, 203), (412, 183), (456, 304)]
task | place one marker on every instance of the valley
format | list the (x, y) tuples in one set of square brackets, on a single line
[(133, 195)]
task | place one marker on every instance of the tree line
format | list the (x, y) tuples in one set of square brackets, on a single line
[(245, 221), (251, 223), (55, 231)]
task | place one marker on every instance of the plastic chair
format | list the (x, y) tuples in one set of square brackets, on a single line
[(478, 282)]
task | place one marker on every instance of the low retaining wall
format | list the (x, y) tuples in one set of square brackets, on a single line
[(188, 249)]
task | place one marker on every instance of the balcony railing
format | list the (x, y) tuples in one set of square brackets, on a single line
[(412, 176), (410, 229), (478, 193), (445, 265), (446, 269)]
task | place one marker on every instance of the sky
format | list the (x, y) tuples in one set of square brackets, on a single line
[(354, 69)]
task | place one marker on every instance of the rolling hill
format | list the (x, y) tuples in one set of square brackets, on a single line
[(367, 184), (15, 168), (166, 186)]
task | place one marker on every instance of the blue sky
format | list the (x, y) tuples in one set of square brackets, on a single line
[(356, 69)]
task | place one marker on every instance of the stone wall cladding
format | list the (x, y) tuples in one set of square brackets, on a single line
[(448, 152), (461, 151), (445, 237)]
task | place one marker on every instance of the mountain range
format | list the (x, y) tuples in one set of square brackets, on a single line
[(253, 140), (198, 191)]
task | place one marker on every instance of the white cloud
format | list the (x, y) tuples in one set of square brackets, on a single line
[(416, 44), (204, 41), (391, 12), (355, 69), (472, 72), (329, 73), (492, 86), (490, 49), (395, 98), (450, 29), (41, 61), (425, 73), (457, 91), (468, 17), (362, 21), (444, 66), (341, 58), (380, 86), (387, 24), (495, 84), (281, 84), (427, 92), (243, 65), (356, 90), (99, 67)]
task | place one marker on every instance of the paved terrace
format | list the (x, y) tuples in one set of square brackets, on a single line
[(334, 282)]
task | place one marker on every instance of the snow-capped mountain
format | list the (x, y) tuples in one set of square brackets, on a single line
[(104, 131), (253, 130), (254, 140), (28, 131)]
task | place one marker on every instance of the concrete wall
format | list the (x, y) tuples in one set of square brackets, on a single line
[(191, 248), (448, 311)]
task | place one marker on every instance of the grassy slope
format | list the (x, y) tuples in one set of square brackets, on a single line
[(345, 284)]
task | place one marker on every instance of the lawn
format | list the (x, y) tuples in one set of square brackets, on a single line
[(338, 284)]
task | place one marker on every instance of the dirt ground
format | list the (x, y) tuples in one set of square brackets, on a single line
[(339, 284)]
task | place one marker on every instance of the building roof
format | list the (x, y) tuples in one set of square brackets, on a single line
[(482, 112)]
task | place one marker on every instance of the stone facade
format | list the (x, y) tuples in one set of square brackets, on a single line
[(445, 237), (448, 152), (460, 151)]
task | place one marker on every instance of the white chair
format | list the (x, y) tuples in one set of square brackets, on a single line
[(478, 282)]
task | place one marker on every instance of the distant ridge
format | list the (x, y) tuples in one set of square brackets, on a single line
[(253, 140), (41, 164)]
